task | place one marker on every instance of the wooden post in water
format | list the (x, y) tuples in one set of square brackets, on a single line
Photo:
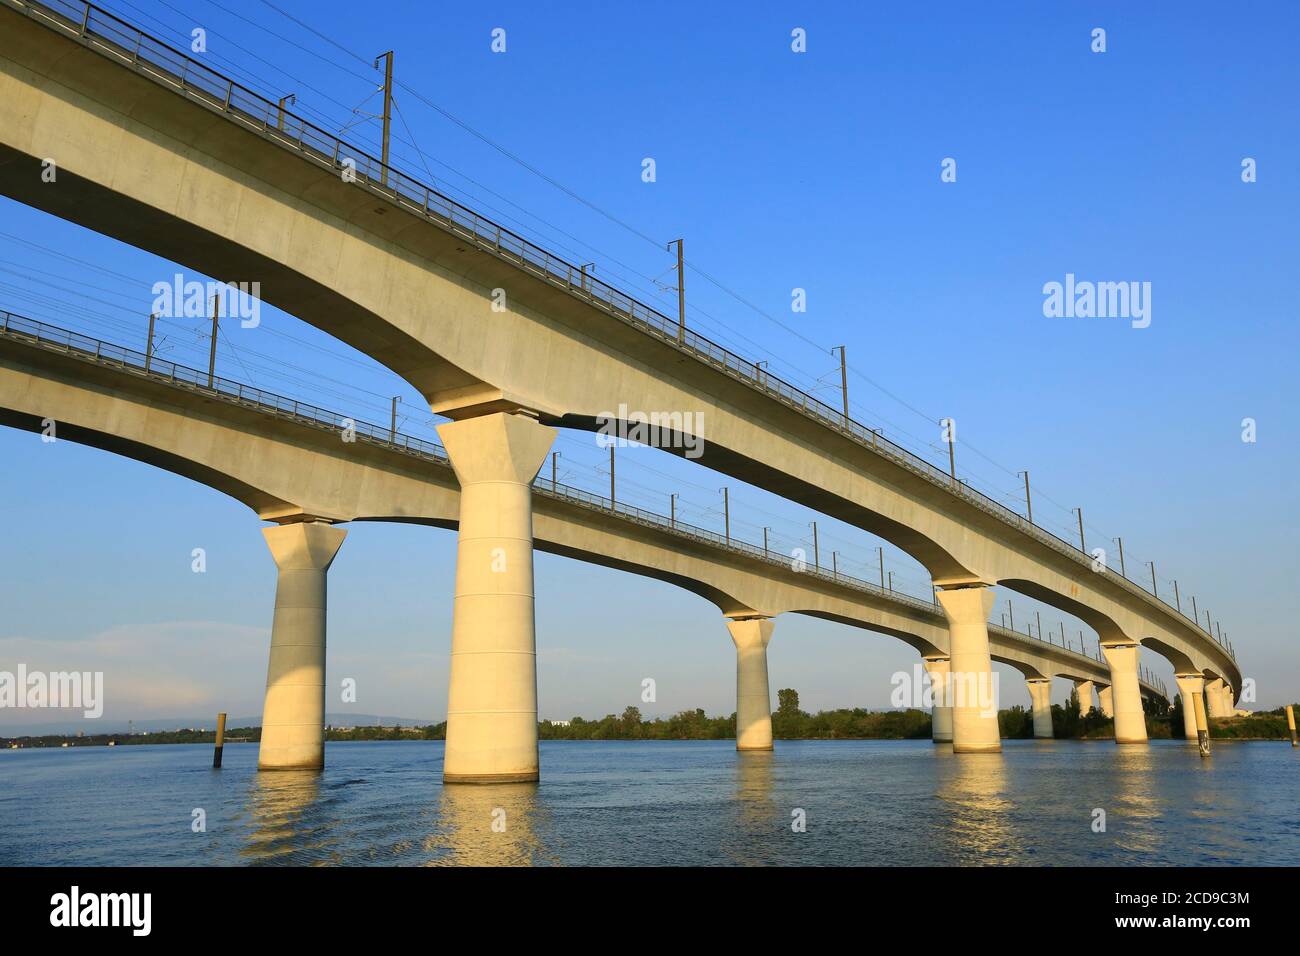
[(221, 741), (1202, 724), (1290, 722)]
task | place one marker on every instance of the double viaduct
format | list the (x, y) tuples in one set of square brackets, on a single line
[(156, 149), (282, 457)]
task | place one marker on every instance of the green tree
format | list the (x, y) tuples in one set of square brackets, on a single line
[(787, 702), (1016, 722), (630, 723), (1067, 721)]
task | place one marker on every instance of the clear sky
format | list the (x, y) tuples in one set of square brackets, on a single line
[(818, 170)]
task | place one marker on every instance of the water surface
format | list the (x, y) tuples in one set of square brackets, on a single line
[(657, 803)]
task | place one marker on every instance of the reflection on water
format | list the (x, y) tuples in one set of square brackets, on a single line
[(281, 821), (478, 825), (757, 813), (1136, 801), (980, 824), (660, 803)]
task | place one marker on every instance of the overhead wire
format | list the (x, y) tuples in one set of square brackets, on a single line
[(515, 157)]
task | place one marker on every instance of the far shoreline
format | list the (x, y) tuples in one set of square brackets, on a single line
[(788, 722)]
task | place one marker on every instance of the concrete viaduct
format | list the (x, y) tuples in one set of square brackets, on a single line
[(156, 149), (306, 468)]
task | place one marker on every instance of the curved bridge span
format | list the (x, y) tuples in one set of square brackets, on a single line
[(290, 463), (157, 149)]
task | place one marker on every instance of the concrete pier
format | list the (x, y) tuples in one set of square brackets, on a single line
[(492, 700), (975, 707), (753, 698), (941, 713), (1190, 686), (1218, 698), (1084, 689), (1106, 701), (1040, 695), (1126, 693), (293, 716)]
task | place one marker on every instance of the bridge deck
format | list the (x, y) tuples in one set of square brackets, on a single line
[(134, 49), (39, 335)]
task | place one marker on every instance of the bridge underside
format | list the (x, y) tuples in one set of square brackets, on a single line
[(177, 177), (289, 470)]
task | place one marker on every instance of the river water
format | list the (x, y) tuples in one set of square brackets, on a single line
[(657, 803)]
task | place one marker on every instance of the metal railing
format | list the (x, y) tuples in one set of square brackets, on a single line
[(132, 47), (130, 360), (127, 360)]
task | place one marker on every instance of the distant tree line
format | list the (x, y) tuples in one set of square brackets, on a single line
[(427, 732), (125, 740), (789, 722), (1071, 722)]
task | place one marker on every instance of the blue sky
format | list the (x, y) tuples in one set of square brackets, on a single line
[(818, 171)]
